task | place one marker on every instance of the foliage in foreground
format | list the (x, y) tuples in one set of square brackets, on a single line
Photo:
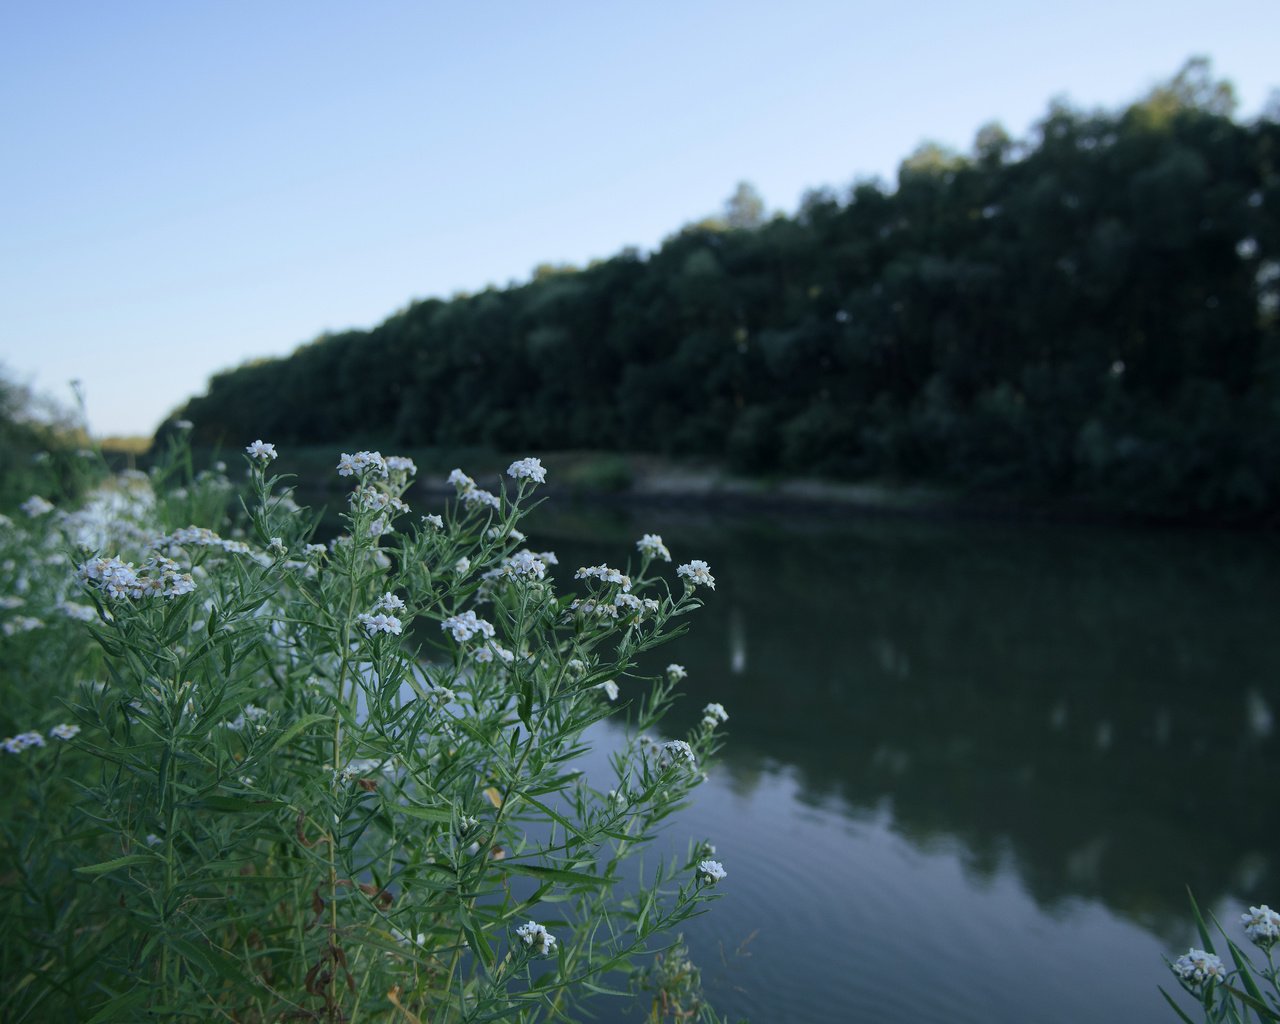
[(1247, 991), (251, 777)]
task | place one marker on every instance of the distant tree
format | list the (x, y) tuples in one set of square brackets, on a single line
[(745, 208)]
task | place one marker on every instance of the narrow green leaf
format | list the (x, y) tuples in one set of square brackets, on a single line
[(554, 874), (475, 938), (114, 865), (442, 815), (121, 1007), (1200, 925), (296, 728), (233, 804)]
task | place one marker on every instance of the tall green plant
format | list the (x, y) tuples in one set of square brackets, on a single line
[(303, 781)]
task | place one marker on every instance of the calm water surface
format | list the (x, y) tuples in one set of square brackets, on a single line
[(972, 768)]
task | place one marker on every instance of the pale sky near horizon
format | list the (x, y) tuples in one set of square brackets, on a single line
[(186, 186)]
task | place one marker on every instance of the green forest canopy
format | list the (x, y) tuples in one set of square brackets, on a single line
[(1090, 312)]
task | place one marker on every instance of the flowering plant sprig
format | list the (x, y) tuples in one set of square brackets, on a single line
[(364, 745)]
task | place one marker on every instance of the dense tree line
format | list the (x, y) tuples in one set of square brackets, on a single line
[(1089, 312)]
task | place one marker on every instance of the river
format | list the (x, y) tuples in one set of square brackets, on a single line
[(972, 768)]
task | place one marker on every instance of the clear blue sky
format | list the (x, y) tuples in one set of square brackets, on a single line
[(188, 185)]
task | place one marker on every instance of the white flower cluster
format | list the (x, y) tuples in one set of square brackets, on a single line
[(77, 611), (610, 689), (465, 625), (17, 744), (251, 713), (159, 577), (486, 653), (22, 624), (528, 469), (401, 464), (630, 603), (1196, 967), (524, 564), (675, 751), (1262, 925), (605, 575), (676, 672), (261, 451), (361, 463), (199, 536), (362, 767), (380, 622), (711, 871), (713, 715), (651, 545), (697, 574), (36, 506), (469, 493), (434, 520), (537, 938), (370, 498)]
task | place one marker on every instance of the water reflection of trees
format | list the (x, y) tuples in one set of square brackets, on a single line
[(1092, 707)]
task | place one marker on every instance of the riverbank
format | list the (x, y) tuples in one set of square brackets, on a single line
[(644, 479)]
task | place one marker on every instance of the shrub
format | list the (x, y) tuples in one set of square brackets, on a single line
[(303, 781)]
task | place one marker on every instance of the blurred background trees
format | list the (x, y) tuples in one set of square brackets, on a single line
[(1090, 312)]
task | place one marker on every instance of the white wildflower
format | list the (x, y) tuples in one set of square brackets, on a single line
[(604, 574), (17, 744), (486, 653), (380, 623), (530, 469), (675, 751), (388, 603), (261, 451), (710, 872), (610, 689), (465, 625), (525, 564), (77, 611), (276, 547), (477, 496), (315, 550), (697, 574), (21, 624), (63, 731), (153, 839), (361, 464), (466, 824), (401, 464), (405, 939), (713, 715), (1262, 925), (1198, 968), (434, 520), (676, 672), (537, 938), (651, 545), (35, 506), (462, 566)]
